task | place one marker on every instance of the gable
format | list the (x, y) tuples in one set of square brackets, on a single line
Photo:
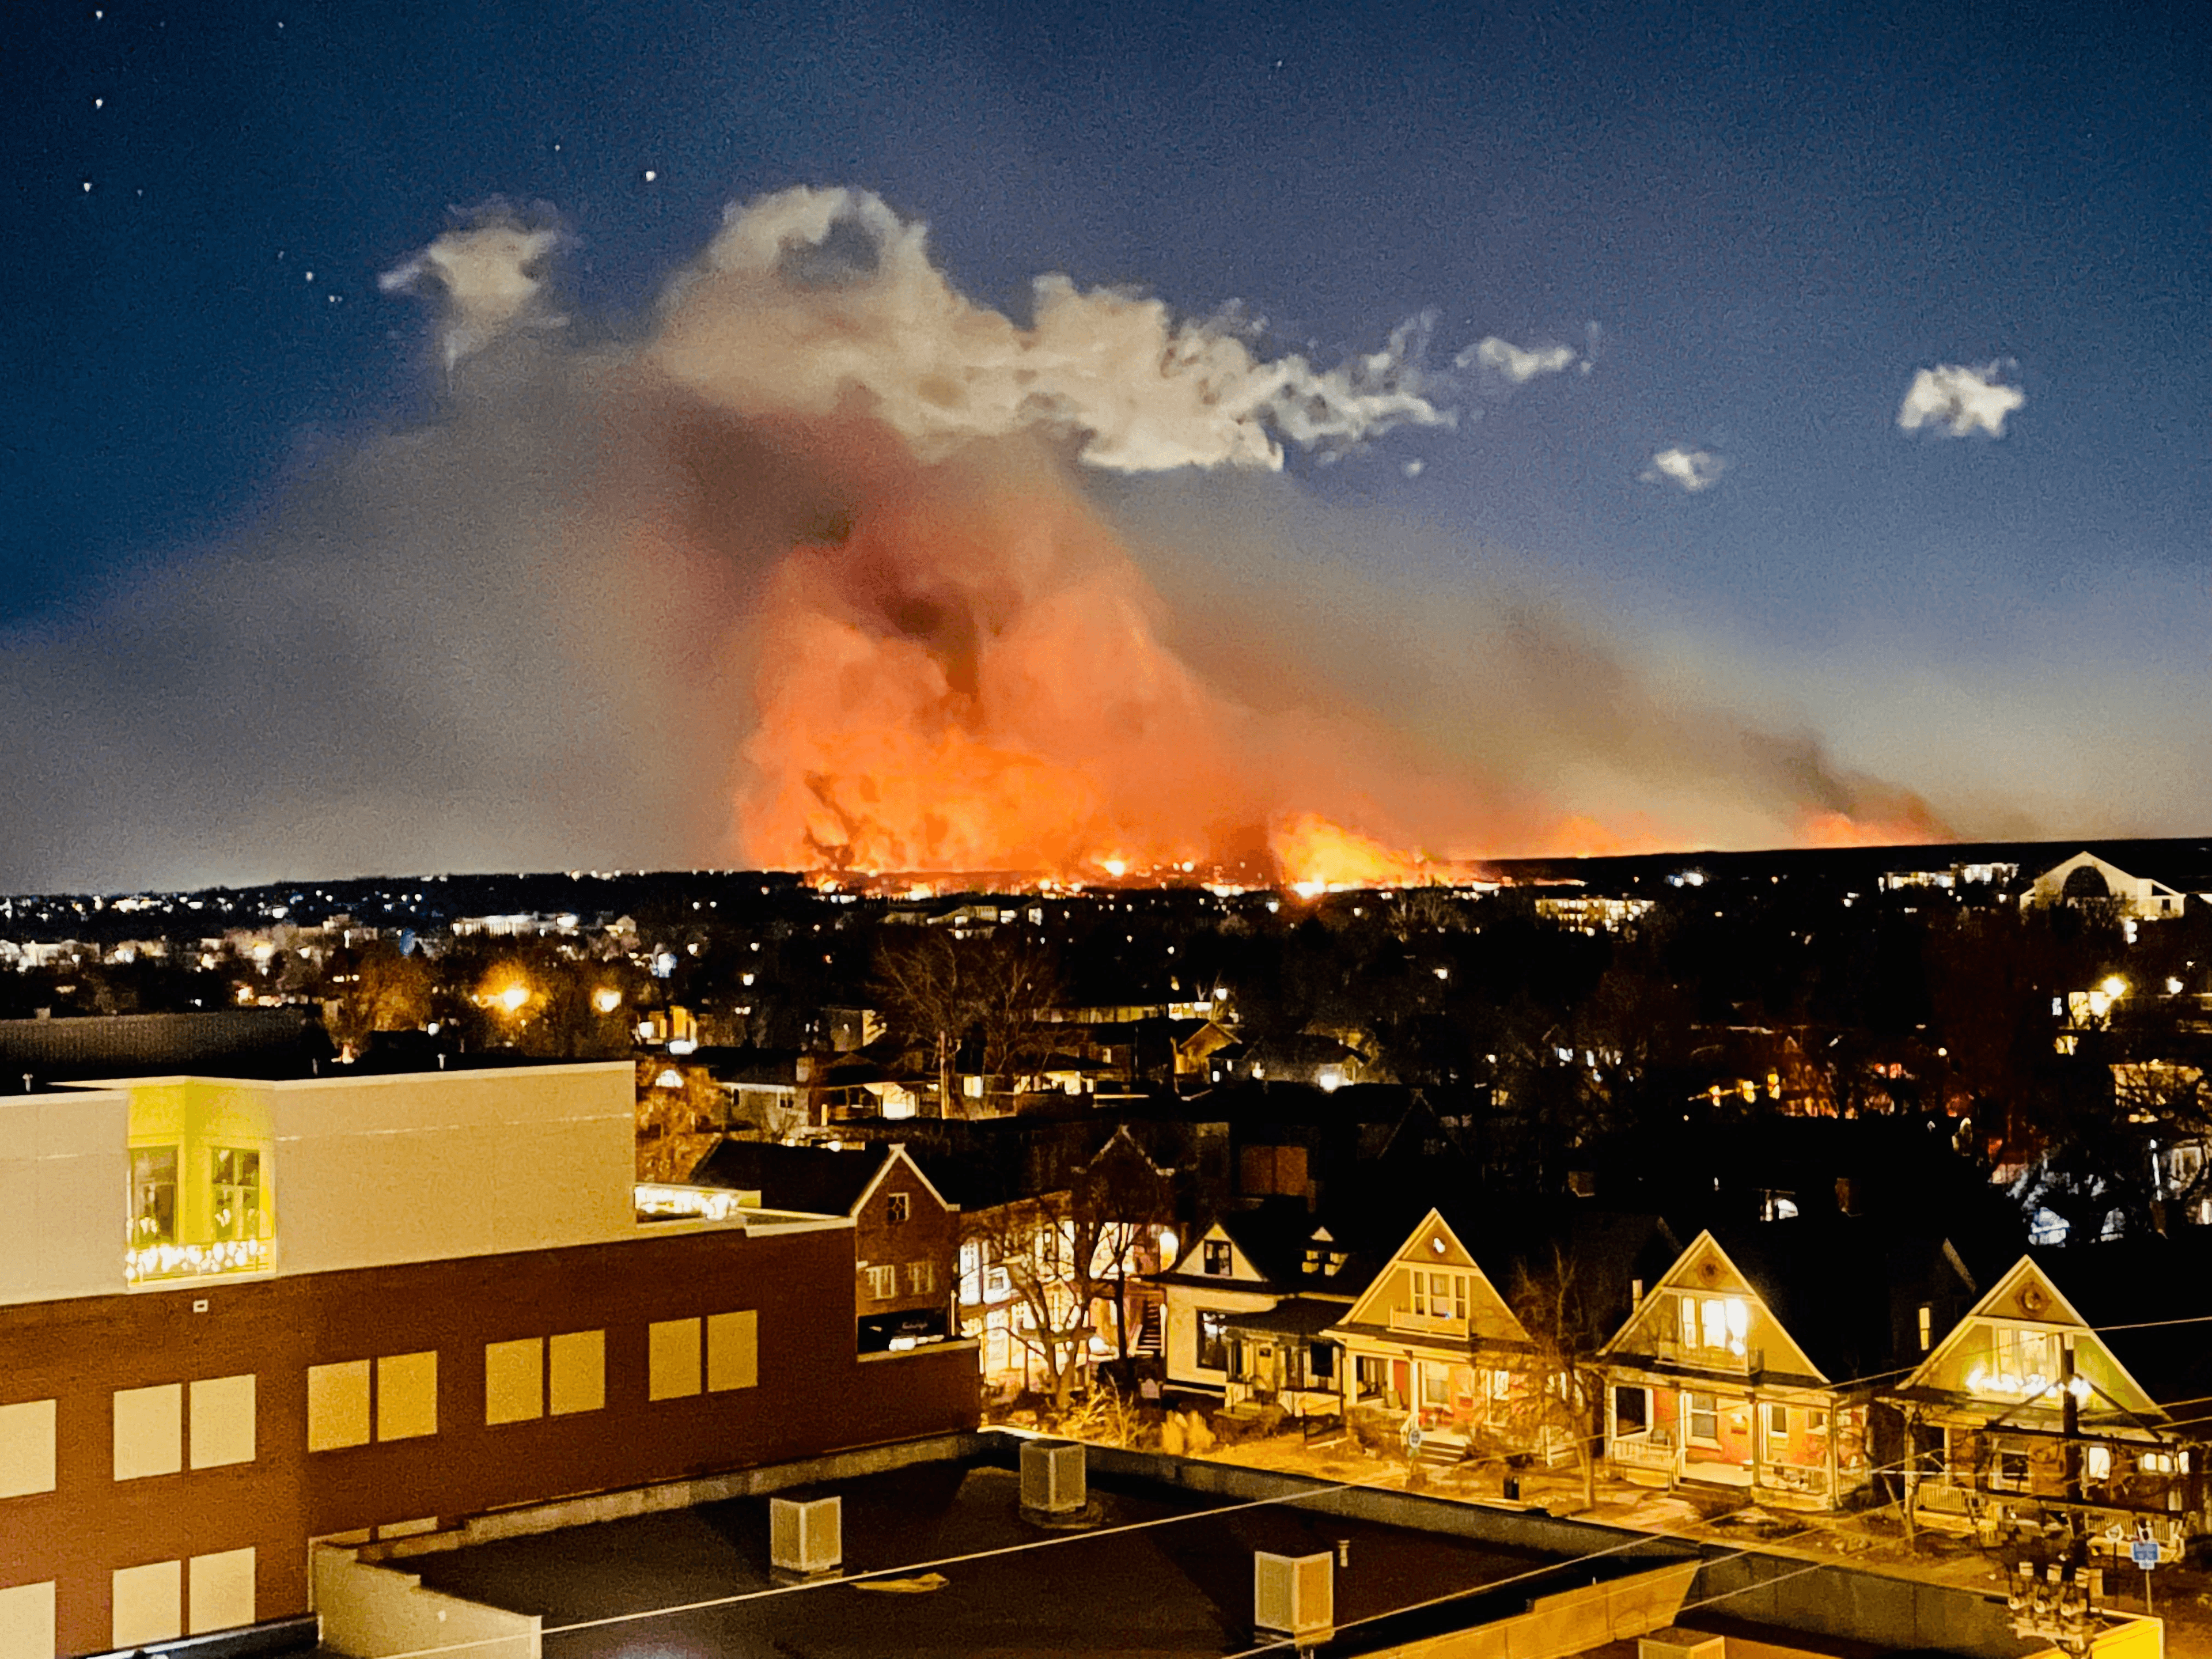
[(2006, 1352), (1241, 1270), (1723, 1313), (1434, 1250)]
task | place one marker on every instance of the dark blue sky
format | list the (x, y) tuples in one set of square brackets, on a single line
[(1774, 216)]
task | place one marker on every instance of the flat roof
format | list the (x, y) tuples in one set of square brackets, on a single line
[(1160, 1570)]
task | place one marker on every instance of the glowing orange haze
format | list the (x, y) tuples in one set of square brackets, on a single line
[(969, 675)]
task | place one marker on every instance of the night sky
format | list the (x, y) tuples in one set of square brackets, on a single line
[(1750, 229)]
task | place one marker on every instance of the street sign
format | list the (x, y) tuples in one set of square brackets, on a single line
[(2143, 1552)]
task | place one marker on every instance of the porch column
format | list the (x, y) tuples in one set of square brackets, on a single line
[(1757, 1438), (1835, 1434)]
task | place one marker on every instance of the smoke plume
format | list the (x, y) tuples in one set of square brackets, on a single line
[(834, 568)]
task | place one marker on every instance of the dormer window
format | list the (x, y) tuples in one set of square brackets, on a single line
[(1215, 1254), (1336, 1261)]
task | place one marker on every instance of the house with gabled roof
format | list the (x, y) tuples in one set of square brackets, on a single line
[(1753, 1360), (2080, 1384), (1247, 1306), (1433, 1341)]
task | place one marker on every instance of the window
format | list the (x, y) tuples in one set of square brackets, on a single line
[(2010, 1473), (1370, 1375), (576, 1372), (1777, 1430), (219, 1591), (1322, 1366), (920, 1278), (996, 1283), (406, 1396), (147, 1604), (1718, 1324), (338, 1406), (2098, 1464), (27, 1447), (2151, 1463), (672, 1358), (222, 1421), (733, 1350), (153, 1196), (1927, 1327), (1436, 1385), (149, 1431), (897, 1207), (1217, 1257), (1632, 1410), (514, 1380), (237, 1211), (1704, 1419), (883, 1282), (27, 1621), (1213, 1340)]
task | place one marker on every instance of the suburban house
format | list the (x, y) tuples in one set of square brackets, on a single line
[(1434, 1340), (2081, 1383), (907, 1236), (237, 1316), (1754, 1359), (1247, 1303)]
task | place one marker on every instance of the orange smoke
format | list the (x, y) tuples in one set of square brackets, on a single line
[(964, 671)]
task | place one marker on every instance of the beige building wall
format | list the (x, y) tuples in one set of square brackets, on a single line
[(428, 1166), (64, 1193)]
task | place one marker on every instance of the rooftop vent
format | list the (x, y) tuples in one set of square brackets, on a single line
[(805, 1535), (1054, 1478), (1292, 1594)]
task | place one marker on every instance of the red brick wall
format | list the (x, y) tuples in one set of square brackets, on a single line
[(814, 1395), (931, 1232)]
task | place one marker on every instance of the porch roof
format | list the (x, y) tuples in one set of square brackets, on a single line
[(1297, 1317)]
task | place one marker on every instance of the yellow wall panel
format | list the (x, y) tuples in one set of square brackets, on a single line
[(407, 1397), (733, 1350), (26, 1450), (222, 1421), (27, 1622), (149, 1604), (149, 1430), (577, 1364), (672, 1359), (338, 1406), (514, 1373), (220, 1590)]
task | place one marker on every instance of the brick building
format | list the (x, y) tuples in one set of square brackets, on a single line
[(235, 1316)]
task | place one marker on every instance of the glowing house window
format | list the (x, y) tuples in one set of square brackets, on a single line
[(1718, 1324), (153, 1196)]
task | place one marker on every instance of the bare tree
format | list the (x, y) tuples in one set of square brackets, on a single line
[(937, 989), (1568, 1387), (920, 982)]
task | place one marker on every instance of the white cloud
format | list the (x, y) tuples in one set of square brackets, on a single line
[(1518, 364), (490, 275), (1692, 469), (1960, 400), (810, 297)]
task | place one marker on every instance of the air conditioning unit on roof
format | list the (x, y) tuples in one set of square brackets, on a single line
[(1054, 1479), (805, 1535), (1293, 1595)]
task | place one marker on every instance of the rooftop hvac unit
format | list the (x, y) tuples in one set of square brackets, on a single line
[(805, 1535), (1292, 1594), (1052, 1478), (1673, 1643)]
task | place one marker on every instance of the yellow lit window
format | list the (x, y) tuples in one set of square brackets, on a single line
[(27, 1447), (514, 1380), (338, 1406), (576, 1366), (672, 1359), (406, 1396)]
